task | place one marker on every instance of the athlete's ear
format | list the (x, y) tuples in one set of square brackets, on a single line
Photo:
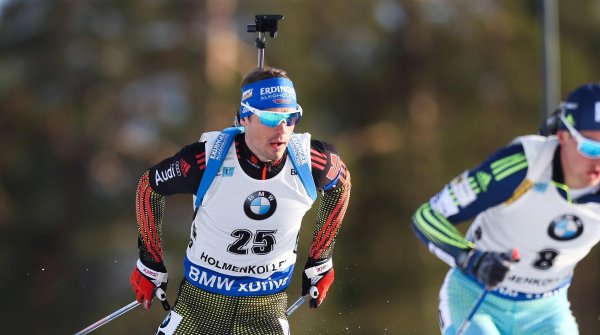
[(562, 136), (244, 121)]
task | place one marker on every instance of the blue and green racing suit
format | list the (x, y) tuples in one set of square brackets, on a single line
[(517, 199)]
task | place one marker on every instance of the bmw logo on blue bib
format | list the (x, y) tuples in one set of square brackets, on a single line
[(565, 227), (260, 205)]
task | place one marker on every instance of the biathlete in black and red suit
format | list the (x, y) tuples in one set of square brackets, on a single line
[(244, 234)]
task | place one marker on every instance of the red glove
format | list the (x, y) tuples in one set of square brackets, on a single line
[(316, 279), (145, 282)]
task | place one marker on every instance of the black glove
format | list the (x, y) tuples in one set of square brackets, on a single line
[(317, 276), (488, 267)]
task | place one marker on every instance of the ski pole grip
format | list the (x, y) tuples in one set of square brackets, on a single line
[(160, 294), (314, 292)]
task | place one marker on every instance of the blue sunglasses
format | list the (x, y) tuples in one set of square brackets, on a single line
[(273, 119), (587, 147)]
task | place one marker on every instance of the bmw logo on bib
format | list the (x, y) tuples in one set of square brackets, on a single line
[(260, 205), (166, 321), (565, 227)]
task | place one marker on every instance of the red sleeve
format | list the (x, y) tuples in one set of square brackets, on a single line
[(331, 176), (149, 207), (328, 169), (179, 174)]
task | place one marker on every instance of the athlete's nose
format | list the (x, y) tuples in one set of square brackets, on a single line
[(281, 127)]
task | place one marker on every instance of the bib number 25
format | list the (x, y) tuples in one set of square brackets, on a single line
[(263, 242)]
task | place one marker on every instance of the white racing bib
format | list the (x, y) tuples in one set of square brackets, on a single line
[(552, 235), (244, 235)]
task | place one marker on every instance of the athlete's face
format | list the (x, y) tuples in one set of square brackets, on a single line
[(267, 143), (580, 171)]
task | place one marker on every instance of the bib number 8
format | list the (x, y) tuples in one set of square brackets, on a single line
[(545, 259)]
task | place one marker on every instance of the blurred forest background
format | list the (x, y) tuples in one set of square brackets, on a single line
[(412, 92)]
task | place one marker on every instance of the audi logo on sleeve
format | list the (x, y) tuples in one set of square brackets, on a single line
[(260, 205)]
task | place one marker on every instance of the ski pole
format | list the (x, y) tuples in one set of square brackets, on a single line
[(465, 324), (160, 293), (108, 318), (297, 304), (514, 257), (313, 293)]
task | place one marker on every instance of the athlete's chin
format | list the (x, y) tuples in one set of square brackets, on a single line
[(277, 155), (592, 179), (274, 154)]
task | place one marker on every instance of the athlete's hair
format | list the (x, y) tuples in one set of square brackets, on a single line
[(261, 73), (258, 74)]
